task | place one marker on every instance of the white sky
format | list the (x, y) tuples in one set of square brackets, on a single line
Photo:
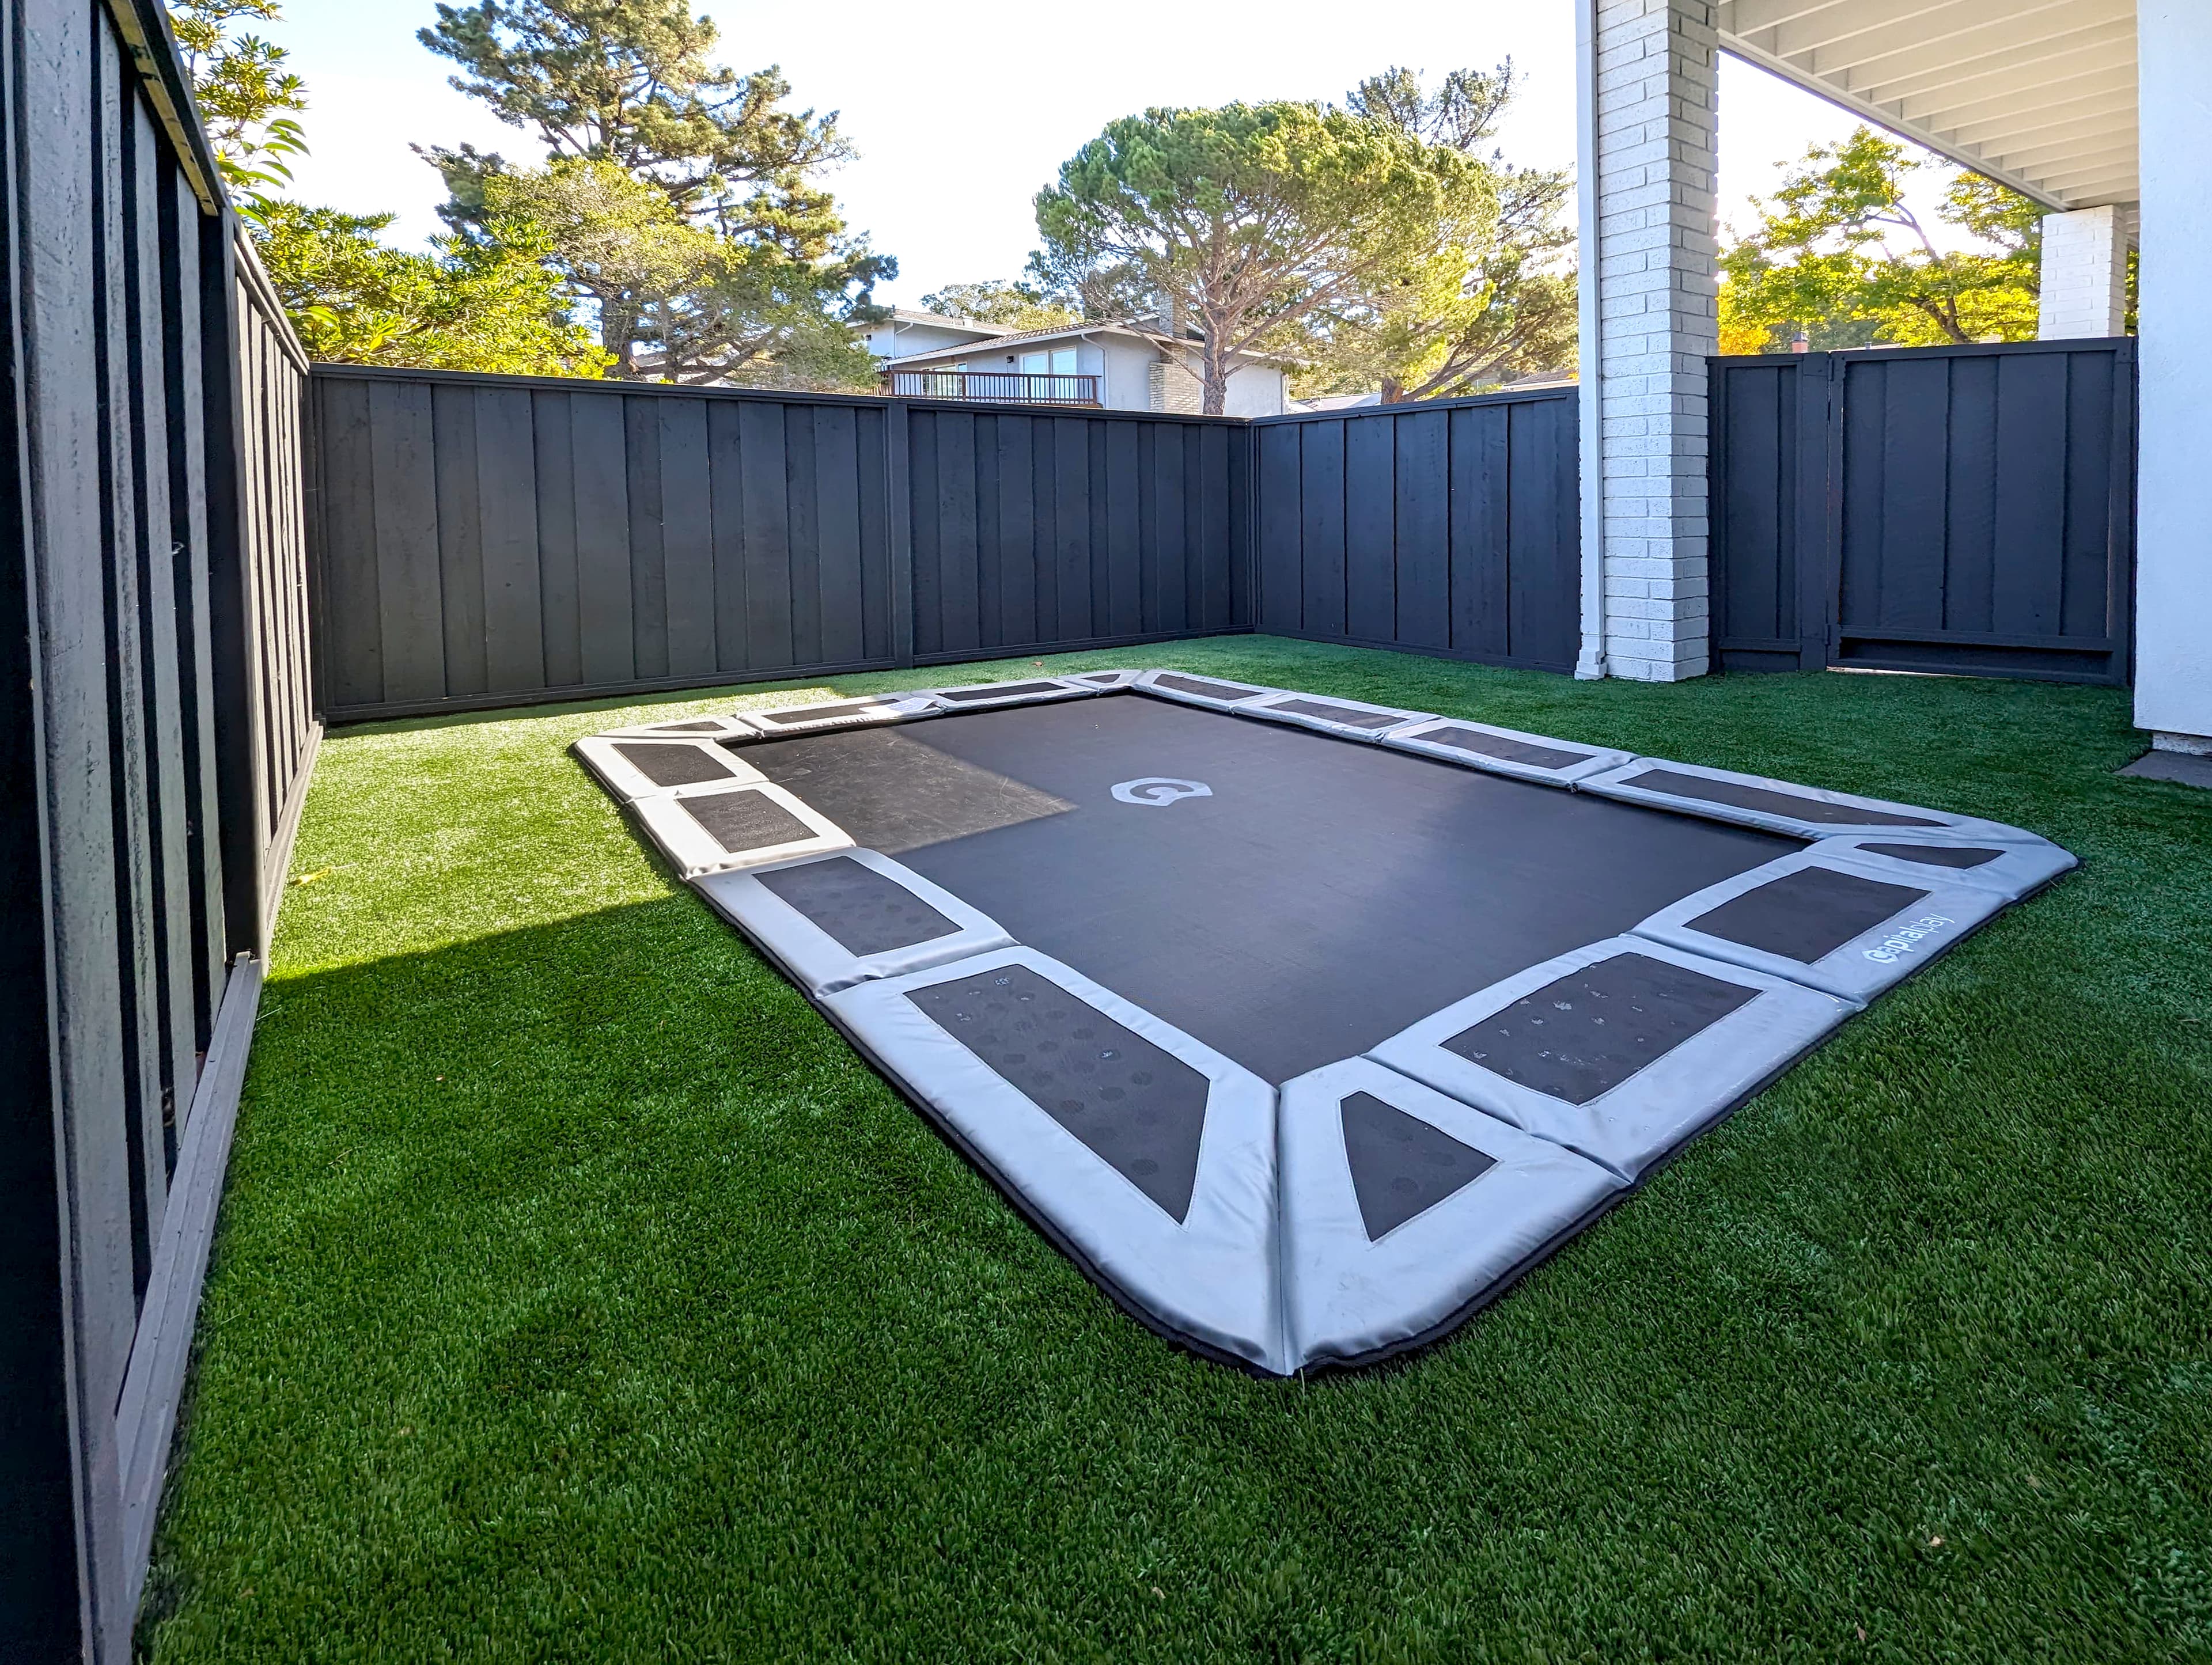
[(958, 124)]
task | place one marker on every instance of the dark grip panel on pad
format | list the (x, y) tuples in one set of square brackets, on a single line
[(673, 765), (1401, 1166), (1935, 855), (1807, 916), (1765, 800), (1004, 691), (1138, 1109), (1584, 1034), (861, 911), (1505, 750), (1211, 690), (1350, 716), (742, 821)]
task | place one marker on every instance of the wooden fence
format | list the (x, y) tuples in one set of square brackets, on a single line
[(1448, 528), (156, 729), (1961, 509), (488, 540)]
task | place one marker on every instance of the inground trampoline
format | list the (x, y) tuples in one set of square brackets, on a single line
[(1303, 1026)]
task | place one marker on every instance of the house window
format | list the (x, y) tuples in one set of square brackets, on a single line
[(1061, 362)]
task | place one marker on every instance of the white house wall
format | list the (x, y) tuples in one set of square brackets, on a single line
[(2173, 525)]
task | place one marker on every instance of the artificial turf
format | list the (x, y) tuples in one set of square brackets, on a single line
[(580, 1294)]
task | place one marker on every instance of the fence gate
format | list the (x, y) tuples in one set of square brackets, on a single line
[(1968, 510)]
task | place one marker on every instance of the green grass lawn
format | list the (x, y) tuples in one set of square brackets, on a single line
[(580, 1294)]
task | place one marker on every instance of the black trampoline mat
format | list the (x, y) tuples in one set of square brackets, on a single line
[(1326, 894)]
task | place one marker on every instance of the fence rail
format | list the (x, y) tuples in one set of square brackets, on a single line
[(1009, 385)]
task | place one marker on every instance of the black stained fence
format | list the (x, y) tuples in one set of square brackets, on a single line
[(1449, 529), (1037, 531), (155, 732), (486, 541), (1961, 509)]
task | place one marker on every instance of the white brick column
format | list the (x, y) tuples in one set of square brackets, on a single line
[(2085, 274), (2173, 513), (1649, 324)]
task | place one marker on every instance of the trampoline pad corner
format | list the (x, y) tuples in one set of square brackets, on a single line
[(1404, 1210), (1147, 1155)]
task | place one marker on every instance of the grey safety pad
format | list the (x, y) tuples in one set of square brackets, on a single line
[(1836, 920), (1349, 720), (995, 1048), (1213, 692), (840, 713), (1105, 680), (718, 828), (1754, 800), (2013, 871), (678, 728), (833, 921), (1622, 1050), (1506, 750), (1466, 1202), (982, 695), (638, 767)]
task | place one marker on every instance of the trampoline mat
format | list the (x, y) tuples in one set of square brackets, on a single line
[(1319, 899), (1305, 1048)]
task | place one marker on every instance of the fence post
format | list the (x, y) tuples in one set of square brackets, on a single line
[(1817, 536), (234, 648), (898, 506)]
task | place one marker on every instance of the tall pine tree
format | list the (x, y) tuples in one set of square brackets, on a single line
[(766, 288)]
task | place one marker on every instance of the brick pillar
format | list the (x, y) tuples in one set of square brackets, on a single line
[(2085, 274), (1649, 247)]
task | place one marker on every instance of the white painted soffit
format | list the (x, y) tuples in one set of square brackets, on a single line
[(2039, 94)]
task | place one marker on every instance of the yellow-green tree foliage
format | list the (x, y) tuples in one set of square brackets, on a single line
[(1840, 254)]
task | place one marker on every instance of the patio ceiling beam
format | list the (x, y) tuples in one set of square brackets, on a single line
[(2095, 46), (1872, 29), (2107, 90), (1961, 55), (2038, 158), (1904, 126), (2063, 123), (2016, 89)]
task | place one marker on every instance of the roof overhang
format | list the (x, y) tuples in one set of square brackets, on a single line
[(2039, 95)]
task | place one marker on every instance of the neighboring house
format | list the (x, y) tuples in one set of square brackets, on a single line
[(1134, 365), (904, 333), (1327, 401)]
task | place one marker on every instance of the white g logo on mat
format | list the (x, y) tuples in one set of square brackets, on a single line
[(1160, 789)]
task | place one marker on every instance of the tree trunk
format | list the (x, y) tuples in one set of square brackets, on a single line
[(1216, 376)]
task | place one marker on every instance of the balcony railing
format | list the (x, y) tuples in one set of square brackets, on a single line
[(991, 385)]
